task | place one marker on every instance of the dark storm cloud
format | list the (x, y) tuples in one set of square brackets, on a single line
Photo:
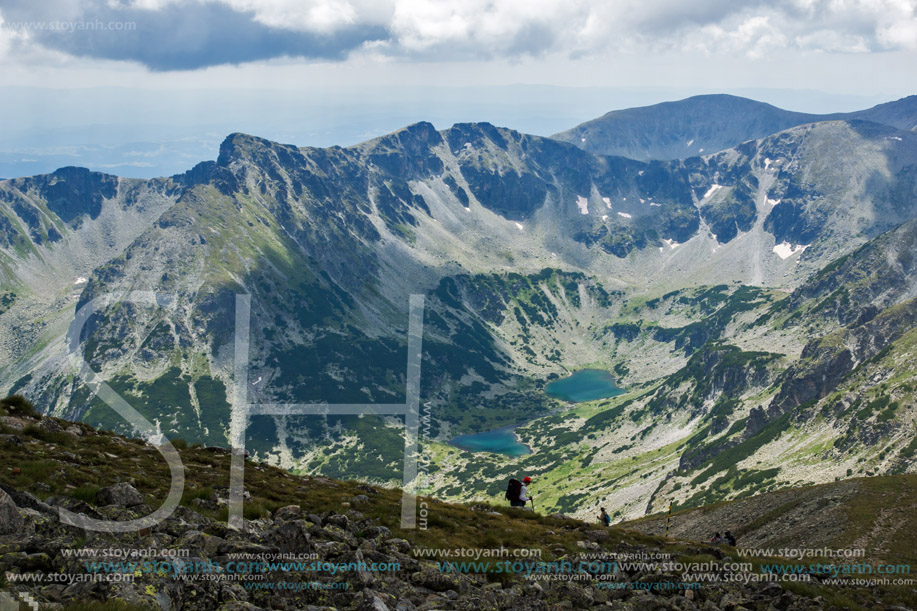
[(178, 37)]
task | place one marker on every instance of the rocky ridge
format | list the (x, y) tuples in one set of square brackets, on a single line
[(707, 124)]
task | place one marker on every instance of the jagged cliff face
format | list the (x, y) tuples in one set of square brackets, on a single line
[(55, 230), (535, 257)]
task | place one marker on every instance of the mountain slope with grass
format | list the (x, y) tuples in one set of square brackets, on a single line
[(708, 124), (874, 515), (351, 529), (771, 390)]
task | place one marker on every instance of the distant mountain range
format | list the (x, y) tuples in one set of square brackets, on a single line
[(751, 301), (707, 124)]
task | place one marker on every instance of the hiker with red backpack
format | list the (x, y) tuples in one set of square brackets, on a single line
[(517, 492)]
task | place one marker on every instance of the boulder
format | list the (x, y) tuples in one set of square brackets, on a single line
[(290, 512), (437, 581), (336, 519), (372, 602), (26, 500), (292, 536), (11, 521), (122, 494), (374, 532), (597, 535), (12, 440), (50, 425)]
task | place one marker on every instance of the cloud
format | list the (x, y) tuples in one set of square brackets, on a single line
[(483, 28), (185, 36), (190, 34)]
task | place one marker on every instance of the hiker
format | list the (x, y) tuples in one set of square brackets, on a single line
[(730, 538), (604, 517), (517, 493), (717, 539), (524, 492)]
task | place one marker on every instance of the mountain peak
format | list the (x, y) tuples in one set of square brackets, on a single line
[(709, 123), (235, 146), (698, 125), (420, 128)]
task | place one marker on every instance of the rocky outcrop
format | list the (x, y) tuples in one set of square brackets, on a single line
[(826, 361), (10, 520), (350, 547), (121, 494)]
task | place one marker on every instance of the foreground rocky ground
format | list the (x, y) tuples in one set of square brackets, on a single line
[(346, 537)]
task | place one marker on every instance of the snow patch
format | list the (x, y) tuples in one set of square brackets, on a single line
[(772, 202), (519, 225), (625, 215), (655, 204), (690, 142), (713, 189), (767, 163), (700, 150), (582, 139), (785, 250), (468, 209), (671, 243), (604, 217), (898, 138), (642, 201), (258, 380), (80, 280), (640, 173), (583, 204), (607, 202)]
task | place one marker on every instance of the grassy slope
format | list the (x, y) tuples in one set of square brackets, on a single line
[(876, 514), (104, 458)]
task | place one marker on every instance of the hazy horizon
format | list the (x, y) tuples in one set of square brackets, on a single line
[(137, 133)]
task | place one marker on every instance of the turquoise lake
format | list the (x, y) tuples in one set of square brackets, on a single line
[(501, 441), (584, 385)]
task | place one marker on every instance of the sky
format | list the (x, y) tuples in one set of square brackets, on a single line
[(148, 87)]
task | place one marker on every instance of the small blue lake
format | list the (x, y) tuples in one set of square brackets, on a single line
[(584, 385), (501, 441)]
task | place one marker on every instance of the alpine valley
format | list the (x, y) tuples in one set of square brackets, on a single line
[(747, 274)]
